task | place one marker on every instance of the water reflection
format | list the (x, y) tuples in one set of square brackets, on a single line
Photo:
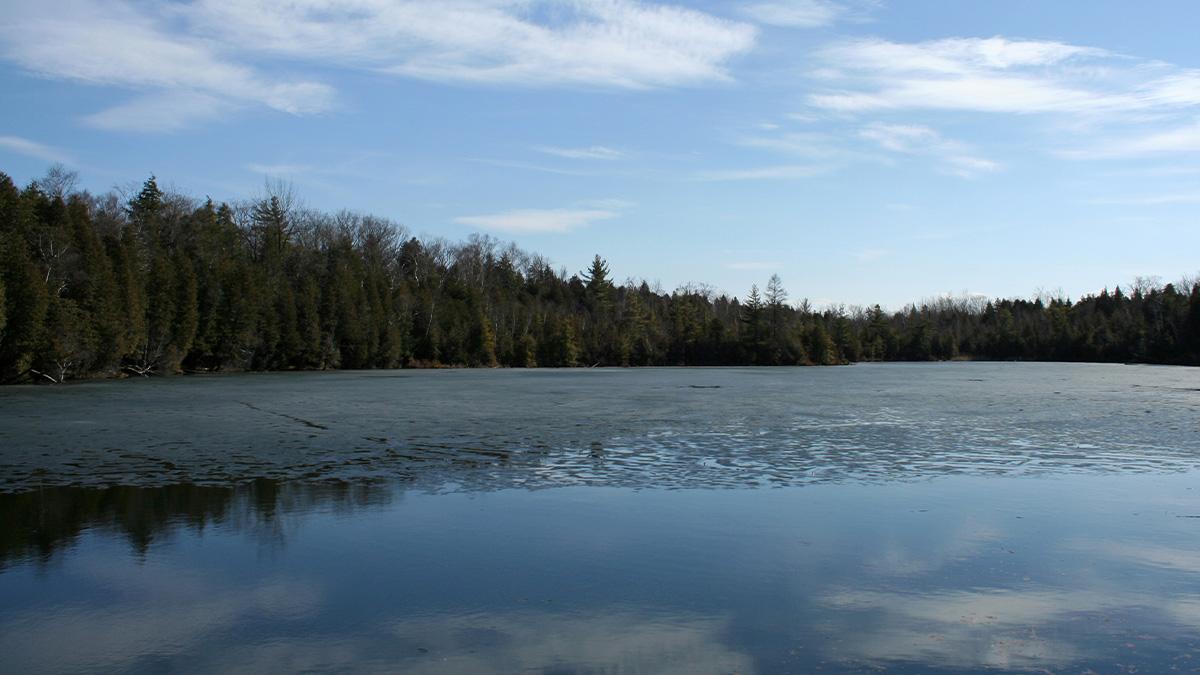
[(922, 523), (148, 619), (39, 523), (958, 574)]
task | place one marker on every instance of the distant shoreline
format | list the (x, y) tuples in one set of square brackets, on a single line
[(231, 373), (160, 283)]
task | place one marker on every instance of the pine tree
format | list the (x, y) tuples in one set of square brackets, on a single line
[(596, 277), (94, 290), (308, 324), (64, 348), (483, 342), (848, 346), (144, 214), (1193, 323), (161, 311), (131, 296), (187, 312), (775, 299), (752, 323), (528, 351), (3, 306), (562, 348), (26, 302), (271, 228), (821, 350)]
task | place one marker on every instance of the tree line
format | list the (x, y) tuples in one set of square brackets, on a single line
[(155, 283)]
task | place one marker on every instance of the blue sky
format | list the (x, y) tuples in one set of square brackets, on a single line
[(866, 151)]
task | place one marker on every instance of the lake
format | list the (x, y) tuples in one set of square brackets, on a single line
[(881, 517)]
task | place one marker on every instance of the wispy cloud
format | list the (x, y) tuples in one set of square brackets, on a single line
[(537, 221), (871, 254), (24, 146), (115, 44), (1151, 200), (609, 203), (1183, 139), (796, 13), (591, 152), (955, 156), (743, 265), (777, 172), (529, 166), (997, 75), (806, 13), (539, 43), (163, 112), (803, 144), (196, 61)]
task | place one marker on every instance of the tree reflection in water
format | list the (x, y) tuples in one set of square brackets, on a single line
[(41, 523)]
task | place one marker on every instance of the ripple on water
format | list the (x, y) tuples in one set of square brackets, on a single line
[(638, 428)]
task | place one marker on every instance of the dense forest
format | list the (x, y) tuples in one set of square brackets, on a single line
[(160, 283)]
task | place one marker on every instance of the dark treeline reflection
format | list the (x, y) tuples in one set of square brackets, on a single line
[(160, 283), (40, 523)]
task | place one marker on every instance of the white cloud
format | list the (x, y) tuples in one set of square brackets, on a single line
[(871, 255), (116, 44), (997, 75), (804, 144), (537, 221), (968, 166), (955, 156), (1150, 200), (204, 50), (24, 146), (605, 43), (162, 112), (592, 152), (1180, 139), (796, 13), (899, 137), (743, 265), (609, 203), (783, 171)]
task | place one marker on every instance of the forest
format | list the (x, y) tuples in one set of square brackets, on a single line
[(158, 283)]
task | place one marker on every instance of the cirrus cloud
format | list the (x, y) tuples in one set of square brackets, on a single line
[(537, 221), (998, 75), (197, 60)]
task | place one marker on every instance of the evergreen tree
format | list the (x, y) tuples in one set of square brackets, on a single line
[(483, 342), (64, 348), (157, 354), (26, 302), (145, 211), (562, 348), (752, 321), (3, 305), (596, 277), (528, 351), (821, 350), (160, 283), (1193, 324)]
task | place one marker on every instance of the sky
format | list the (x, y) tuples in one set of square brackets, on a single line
[(866, 151)]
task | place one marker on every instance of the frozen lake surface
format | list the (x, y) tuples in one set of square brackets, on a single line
[(898, 517)]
